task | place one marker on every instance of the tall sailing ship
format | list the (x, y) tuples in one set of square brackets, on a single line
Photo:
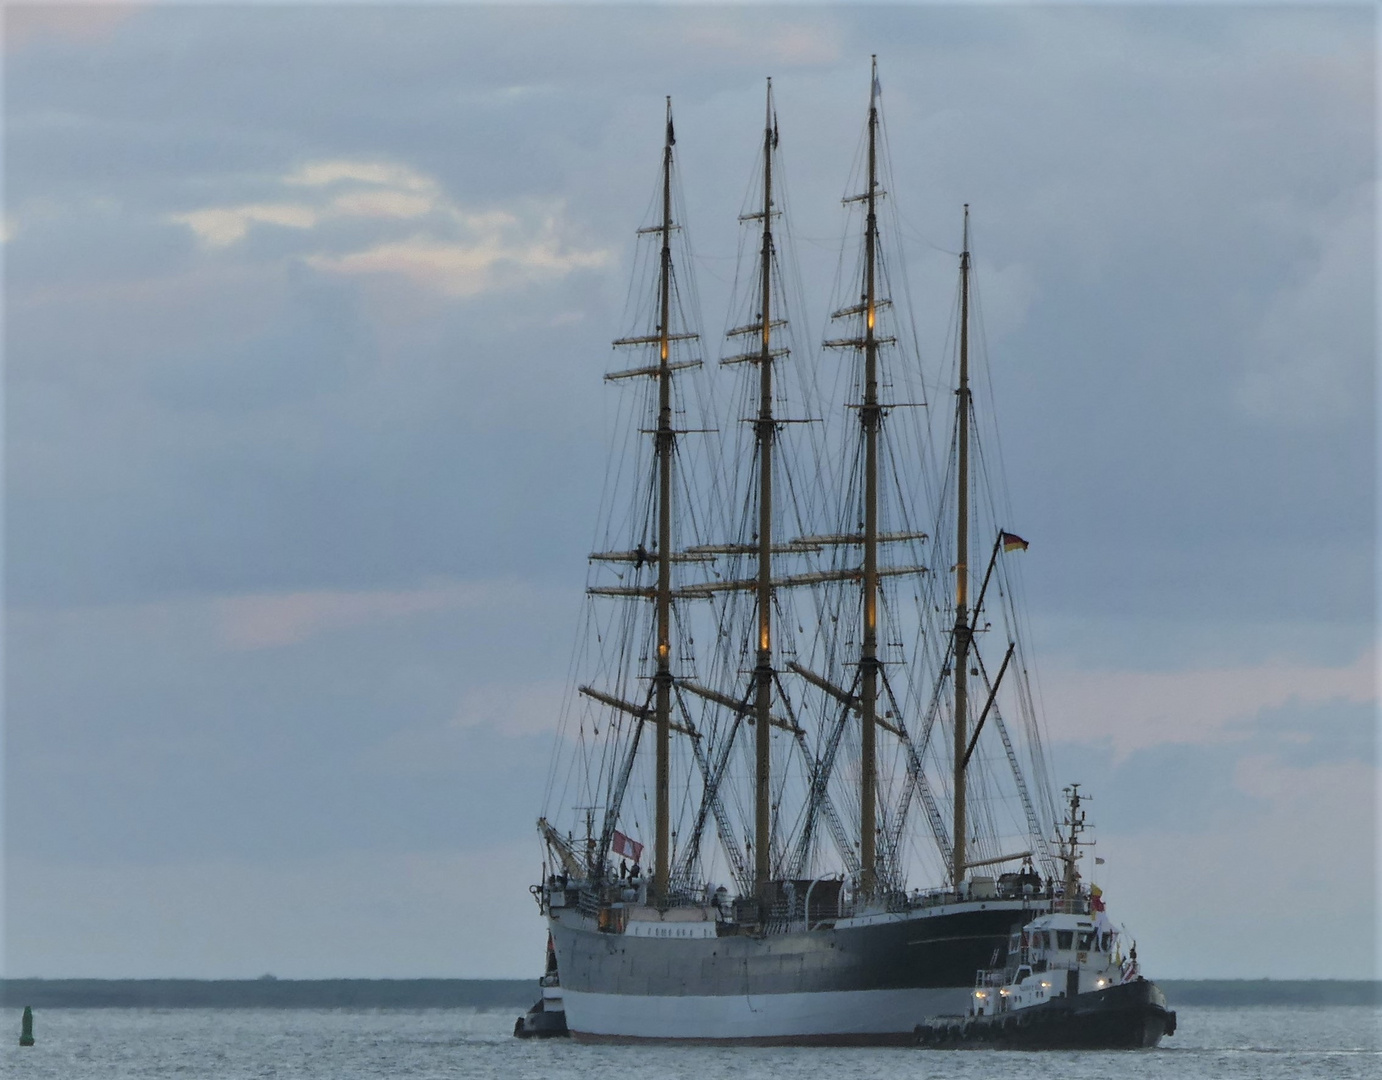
[(787, 673)]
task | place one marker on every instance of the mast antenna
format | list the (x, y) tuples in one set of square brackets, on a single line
[(1070, 845)]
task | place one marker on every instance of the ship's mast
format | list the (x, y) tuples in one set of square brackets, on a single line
[(765, 429), (870, 416), (962, 627), (664, 447), (1070, 846)]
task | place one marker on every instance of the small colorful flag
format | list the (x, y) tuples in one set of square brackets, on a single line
[(629, 849), (1096, 898), (1011, 541)]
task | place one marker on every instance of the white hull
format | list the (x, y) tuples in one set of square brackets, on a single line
[(826, 1017)]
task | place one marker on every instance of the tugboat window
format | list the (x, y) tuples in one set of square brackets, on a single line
[(1065, 939), (1086, 940)]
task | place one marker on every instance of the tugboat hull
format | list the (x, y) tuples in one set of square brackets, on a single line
[(1132, 1016), (540, 1022)]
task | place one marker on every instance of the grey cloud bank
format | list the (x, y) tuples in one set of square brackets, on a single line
[(300, 476)]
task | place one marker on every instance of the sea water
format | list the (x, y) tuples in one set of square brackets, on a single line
[(1212, 1043)]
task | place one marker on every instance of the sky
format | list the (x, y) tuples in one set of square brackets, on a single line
[(306, 312)]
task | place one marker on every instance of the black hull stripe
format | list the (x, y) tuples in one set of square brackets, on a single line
[(930, 952)]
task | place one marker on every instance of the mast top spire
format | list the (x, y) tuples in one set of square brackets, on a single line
[(770, 122)]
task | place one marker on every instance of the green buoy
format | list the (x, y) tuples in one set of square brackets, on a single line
[(26, 1033)]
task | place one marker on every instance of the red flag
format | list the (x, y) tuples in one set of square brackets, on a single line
[(1012, 542), (629, 849)]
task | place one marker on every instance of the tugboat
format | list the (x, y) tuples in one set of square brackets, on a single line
[(547, 1018), (1066, 984)]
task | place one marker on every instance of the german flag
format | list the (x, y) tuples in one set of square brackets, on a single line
[(1012, 542)]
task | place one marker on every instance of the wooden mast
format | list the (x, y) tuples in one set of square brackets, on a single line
[(962, 627), (765, 429), (664, 448), (870, 416)]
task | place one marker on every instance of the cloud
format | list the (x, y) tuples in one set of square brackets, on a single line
[(1311, 834), (1314, 357), (372, 189), (722, 31), (459, 252), (358, 913), (531, 709), (490, 715), (386, 204), (1009, 292), (1133, 710), (90, 21), (203, 416), (498, 257), (385, 174), (272, 620), (222, 226)]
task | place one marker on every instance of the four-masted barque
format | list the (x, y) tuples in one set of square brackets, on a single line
[(783, 678)]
